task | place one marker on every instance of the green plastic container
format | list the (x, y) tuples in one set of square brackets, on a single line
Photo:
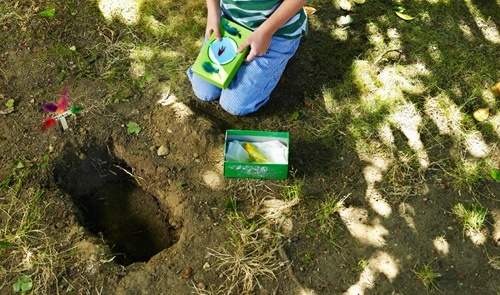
[(252, 169), (219, 61)]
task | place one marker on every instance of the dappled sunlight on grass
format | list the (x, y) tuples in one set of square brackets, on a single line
[(486, 25), (127, 11), (153, 24), (397, 94), (407, 119), (373, 174), (448, 119), (340, 34), (387, 86)]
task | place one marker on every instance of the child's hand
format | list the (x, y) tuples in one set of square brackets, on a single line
[(258, 41), (213, 24)]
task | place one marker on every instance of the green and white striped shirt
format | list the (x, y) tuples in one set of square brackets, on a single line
[(252, 13)]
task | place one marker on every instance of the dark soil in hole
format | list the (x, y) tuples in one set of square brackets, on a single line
[(112, 206)]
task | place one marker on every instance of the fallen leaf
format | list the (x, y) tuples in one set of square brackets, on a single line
[(404, 15), (309, 10), (496, 89), (345, 4), (399, 8), (47, 12), (309, 103), (293, 116), (495, 174), (481, 114)]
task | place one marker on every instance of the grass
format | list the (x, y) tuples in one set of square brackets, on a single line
[(28, 255), (253, 255), (254, 249), (472, 217), (428, 276)]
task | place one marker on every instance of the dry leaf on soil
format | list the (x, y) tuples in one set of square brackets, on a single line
[(309, 10), (496, 89), (404, 15)]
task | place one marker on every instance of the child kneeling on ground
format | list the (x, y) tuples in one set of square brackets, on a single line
[(277, 28)]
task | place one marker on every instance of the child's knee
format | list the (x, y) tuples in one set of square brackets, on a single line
[(203, 89), (242, 105), (205, 96)]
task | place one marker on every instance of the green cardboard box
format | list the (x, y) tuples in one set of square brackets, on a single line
[(219, 61), (238, 169)]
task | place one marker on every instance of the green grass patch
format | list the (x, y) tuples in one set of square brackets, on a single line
[(428, 276), (471, 217), (27, 253)]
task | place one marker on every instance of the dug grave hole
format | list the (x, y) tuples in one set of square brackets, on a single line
[(111, 205)]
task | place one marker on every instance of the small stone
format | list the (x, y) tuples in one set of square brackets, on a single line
[(206, 265), (201, 286), (187, 272), (163, 150), (161, 169)]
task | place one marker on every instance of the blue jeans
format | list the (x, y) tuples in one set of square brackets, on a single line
[(254, 81)]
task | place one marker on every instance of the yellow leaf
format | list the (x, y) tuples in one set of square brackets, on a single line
[(345, 4), (496, 89), (404, 15), (359, 1), (309, 10), (481, 114)]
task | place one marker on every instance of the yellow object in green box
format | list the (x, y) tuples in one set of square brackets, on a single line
[(256, 154)]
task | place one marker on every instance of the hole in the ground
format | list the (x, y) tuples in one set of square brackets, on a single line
[(111, 205)]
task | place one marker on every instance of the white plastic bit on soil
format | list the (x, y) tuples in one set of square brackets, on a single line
[(64, 124)]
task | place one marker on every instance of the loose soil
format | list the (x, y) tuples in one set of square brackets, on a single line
[(136, 222)]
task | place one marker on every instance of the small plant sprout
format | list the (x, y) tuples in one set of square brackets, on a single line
[(133, 127), (472, 218), (232, 204), (326, 211), (9, 103), (23, 284), (495, 174), (428, 276)]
